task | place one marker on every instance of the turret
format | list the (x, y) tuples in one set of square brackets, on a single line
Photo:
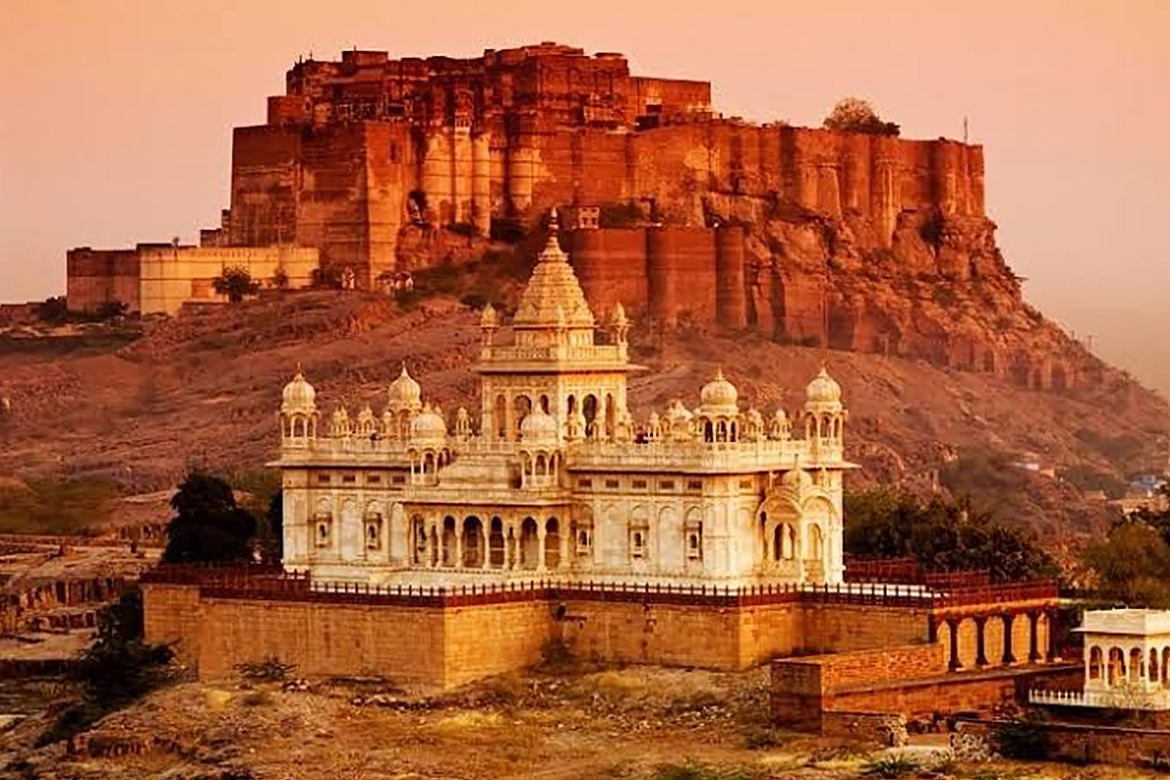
[(298, 412)]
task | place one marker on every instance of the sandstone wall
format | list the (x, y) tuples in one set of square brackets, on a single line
[(843, 629), (171, 277), (1089, 744), (98, 276), (172, 614), (493, 639)]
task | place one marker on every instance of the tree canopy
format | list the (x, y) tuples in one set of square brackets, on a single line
[(236, 283), (854, 115), (1132, 564), (942, 535), (208, 525)]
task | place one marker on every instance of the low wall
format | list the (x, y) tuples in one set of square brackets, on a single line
[(875, 728), (1088, 744)]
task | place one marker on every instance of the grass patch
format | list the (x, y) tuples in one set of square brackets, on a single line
[(694, 770), (891, 767)]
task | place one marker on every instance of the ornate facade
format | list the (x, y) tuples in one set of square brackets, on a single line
[(555, 479)]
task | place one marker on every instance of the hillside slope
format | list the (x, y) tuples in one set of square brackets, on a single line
[(203, 390)]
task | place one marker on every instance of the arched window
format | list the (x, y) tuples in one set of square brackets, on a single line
[(589, 410), (816, 543), (521, 407), (1096, 664), (501, 415)]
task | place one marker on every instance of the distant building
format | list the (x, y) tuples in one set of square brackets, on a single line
[(1127, 662)]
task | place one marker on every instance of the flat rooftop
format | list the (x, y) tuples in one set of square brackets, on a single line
[(1132, 622)]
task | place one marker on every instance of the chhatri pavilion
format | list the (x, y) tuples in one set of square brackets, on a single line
[(552, 478)]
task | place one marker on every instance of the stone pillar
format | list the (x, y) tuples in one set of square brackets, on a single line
[(541, 536), (1033, 637), (980, 649), (565, 535), (481, 194), (954, 664), (1008, 656), (1052, 653), (462, 172), (459, 544)]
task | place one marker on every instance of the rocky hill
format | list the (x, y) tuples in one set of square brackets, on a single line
[(203, 389)]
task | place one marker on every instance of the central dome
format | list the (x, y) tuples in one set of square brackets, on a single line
[(719, 396), (404, 394), (298, 396), (538, 427), (823, 390), (428, 425)]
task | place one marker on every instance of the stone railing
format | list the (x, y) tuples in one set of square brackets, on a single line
[(1122, 698)]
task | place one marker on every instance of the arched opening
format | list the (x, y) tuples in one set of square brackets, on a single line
[(1116, 666), (552, 544), (734, 432), (589, 410), (1152, 667), (473, 551), (816, 543), (501, 417), (496, 549), (1096, 664), (521, 407), (1135, 665), (419, 536), (529, 544), (1166, 667), (448, 552), (541, 468), (778, 542), (721, 431), (572, 404), (544, 404), (708, 431)]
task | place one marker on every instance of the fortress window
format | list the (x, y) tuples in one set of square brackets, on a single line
[(374, 532), (639, 484), (611, 484), (694, 549), (398, 479), (584, 483), (374, 479), (584, 542), (638, 545), (745, 484), (323, 479), (349, 479), (666, 484), (324, 521), (694, 484)]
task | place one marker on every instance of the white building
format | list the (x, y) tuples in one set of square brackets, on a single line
[(1127, 662), (555, 479)]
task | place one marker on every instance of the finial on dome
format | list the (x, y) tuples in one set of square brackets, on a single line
[(489, 318), (619, 314), (552, 248)]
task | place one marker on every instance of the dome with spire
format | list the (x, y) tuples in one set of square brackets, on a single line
[(404, 394), (298, 397), (428, 426), (489, 318), (719, 396), (823, 392), (538, 427), (553, 291)]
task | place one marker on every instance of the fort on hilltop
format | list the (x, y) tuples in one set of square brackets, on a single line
[(854, 241)]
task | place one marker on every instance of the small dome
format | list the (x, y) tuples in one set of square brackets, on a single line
[(823, 390), (428, 425), (489, 319), (404, 393), (298, 397), (797, 478), (780, 416), (619, 318), (339, 422), (677, 413), (754, 416), (538, 427), (366, 416), (719, 396)]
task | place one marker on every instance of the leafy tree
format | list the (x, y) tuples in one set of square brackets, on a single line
[(118, 668), (280, 279), (1132, 565), (942, 535), (208, 526), (54, 310), (854, 115), (236, 283)]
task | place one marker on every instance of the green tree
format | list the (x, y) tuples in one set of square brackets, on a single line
[(208, 526), (854, 115), (236, 283), (942, 535), (1132, 565)]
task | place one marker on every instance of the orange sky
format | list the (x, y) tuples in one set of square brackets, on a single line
[(116, 116)]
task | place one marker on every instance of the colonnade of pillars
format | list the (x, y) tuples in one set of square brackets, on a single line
[(1036, 651), (502, 544), (1148, 668)]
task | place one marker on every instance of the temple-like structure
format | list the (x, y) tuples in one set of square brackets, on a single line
[(555, 477)]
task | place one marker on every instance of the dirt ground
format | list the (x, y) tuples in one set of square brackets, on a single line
[(621, 724)]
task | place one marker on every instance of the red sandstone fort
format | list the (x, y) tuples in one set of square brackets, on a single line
[(856, 241)]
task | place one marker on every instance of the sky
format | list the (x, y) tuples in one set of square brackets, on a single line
[(116, 116)]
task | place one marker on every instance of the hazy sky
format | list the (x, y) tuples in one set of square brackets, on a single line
[(116, 116)]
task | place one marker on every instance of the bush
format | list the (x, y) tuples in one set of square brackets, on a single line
[(854, 115), (1021, 739), (256, 699), (693, 770), (619, 215), (236, 283), (759, 738), (208, 526), (269, 670), (891, 767)]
